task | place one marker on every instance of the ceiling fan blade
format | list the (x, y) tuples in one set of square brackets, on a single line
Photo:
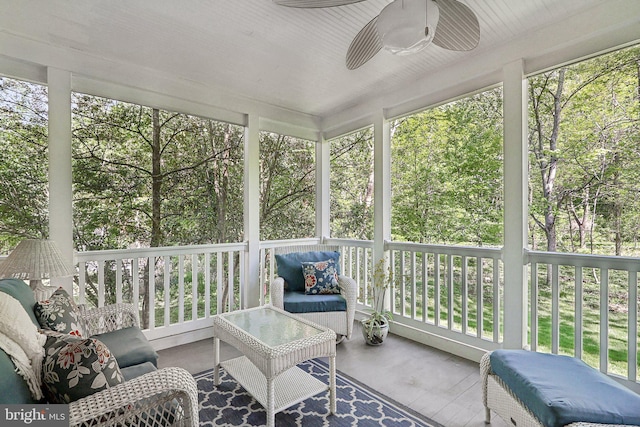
[(364, 45), (314, 3), (458, 27)]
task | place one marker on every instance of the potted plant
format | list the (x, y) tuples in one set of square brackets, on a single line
[(376, 327)]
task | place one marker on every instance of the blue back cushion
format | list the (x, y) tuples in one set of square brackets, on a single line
[(290, 266), (299, 302), (13, 388), (560, 390)]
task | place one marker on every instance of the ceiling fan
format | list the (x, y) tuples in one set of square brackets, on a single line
[(404, 27)]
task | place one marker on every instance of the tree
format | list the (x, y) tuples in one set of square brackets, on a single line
[(23, 163)]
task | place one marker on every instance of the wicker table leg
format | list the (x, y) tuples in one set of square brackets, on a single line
[(216, 361), (271, 391), (332, 384)]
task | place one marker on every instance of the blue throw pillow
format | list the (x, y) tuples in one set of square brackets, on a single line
[(290, 266), (320, 277)]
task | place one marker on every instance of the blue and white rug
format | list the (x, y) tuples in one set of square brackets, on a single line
[(357, 405)]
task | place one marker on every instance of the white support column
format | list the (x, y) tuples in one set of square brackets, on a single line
[(60, 176), (515, 205), (382, 185), (252, 288), (323, 170)]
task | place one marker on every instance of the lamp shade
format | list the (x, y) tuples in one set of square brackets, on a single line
[(35, 259), (408, 26)]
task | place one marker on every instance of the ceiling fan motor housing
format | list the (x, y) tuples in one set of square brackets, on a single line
[(407, 26)]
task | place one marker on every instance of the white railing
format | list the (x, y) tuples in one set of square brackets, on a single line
[(451, 291), (586, 306), (184, 287)]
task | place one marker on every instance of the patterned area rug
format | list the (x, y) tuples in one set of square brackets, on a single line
[(357, 405)]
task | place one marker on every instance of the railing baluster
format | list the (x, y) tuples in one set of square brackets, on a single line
[(392, 290), (194, 286), (604, 320), (450, 292), (220, 302), (578, 329), (135, 283), (464, 291), (207, 284), (118, 263), (632, 344), (555, 309), (231, 281), (425, 287), (167, 290), (496, 301), (403, 285), (413, 284), (101, 288), (436, 288), (181, 289), (82, 282), (151, 293), (479, 296), (534, 306)]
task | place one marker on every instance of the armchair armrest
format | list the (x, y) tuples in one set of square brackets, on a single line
[(349, 290), (109, 318), (276, 293), (168, 396)]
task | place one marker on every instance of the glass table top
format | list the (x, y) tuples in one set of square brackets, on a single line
[(271, 327)]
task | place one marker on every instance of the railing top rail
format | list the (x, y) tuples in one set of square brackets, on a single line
[(349, 242), (111, 254), (583, 260), (484, 252), (269, 244)]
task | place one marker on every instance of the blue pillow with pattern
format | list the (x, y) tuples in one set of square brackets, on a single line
[(320, 277)]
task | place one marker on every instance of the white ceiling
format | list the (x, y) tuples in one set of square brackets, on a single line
[(238, 53)]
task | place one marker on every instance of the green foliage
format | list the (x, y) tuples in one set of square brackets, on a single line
[(351, 184), (447, 173), (23, 163), (287, 189)]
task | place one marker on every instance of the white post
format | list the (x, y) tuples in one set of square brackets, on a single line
[(60, 176), (252, 286), (515, 205), (382, 189), (323, 170)]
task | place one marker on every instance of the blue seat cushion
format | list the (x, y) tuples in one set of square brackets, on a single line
[(129, 346), (290, 266), (560, 390), (22, 292), (299, 302)]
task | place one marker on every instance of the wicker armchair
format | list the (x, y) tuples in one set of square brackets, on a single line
[(166, 397), (341, 322)]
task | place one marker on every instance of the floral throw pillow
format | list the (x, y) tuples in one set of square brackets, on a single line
[(320, 277), (75, 367), (60, 313)]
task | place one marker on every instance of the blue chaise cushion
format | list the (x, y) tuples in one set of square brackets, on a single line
[(560, 390), (290, 266), (299, 302)]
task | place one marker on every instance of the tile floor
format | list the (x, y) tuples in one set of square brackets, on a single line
[(443, 387)]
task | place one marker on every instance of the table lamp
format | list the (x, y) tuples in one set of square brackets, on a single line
[(35, 260)]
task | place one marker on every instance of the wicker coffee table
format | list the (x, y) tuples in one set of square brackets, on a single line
[(273, 342)]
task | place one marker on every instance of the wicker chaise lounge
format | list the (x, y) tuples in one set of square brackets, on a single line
[(536, 389)]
